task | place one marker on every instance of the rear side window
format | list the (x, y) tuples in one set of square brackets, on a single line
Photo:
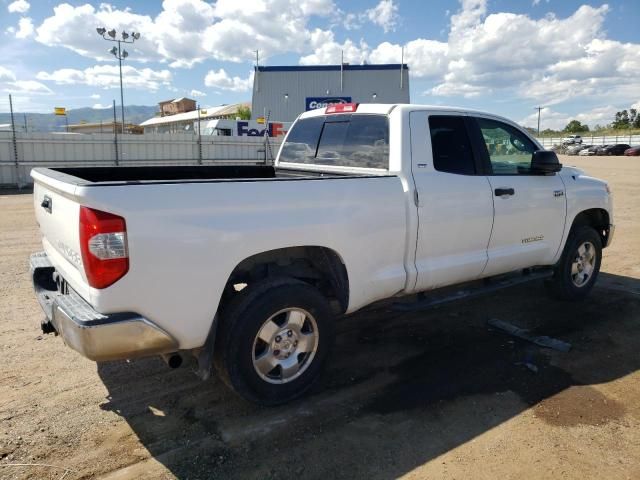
[(341, 140), (450, 145)]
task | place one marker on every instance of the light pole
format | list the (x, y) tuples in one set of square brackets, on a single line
[(120, 54)]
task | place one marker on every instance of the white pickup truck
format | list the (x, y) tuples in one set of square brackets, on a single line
[(249, 267)]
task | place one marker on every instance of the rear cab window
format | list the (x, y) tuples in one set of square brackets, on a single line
[(450, 145), (342, 140)]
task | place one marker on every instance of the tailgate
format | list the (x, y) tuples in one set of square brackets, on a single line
[(57, 213)]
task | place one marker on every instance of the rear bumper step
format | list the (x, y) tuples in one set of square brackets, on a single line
[(95, 335)]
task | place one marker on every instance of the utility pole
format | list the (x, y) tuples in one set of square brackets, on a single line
[(539, 109), (120, 54)]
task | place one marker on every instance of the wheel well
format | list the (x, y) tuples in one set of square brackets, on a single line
[(597, 218), (318, 266)]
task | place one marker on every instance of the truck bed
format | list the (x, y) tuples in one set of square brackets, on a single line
[(87, 176), (189, 227)]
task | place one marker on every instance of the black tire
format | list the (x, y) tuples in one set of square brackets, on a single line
[(242, 320), (562, 285)]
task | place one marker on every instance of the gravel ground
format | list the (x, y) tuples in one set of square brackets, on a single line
[(432, 394)]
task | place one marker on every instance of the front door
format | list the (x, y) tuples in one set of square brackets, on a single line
[(530, 209)]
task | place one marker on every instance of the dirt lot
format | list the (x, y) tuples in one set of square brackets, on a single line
[(433, 394)]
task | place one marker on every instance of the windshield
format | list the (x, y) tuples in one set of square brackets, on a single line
[(339, 140)]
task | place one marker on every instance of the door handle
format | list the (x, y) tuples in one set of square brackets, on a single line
[(500, 192), (47, 203)]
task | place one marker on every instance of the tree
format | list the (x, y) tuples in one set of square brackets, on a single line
[(244, 112), (574, 126), (621, 121)]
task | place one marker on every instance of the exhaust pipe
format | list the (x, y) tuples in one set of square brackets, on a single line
[(173, 360)]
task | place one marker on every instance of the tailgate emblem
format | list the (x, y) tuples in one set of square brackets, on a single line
[(69, 253)]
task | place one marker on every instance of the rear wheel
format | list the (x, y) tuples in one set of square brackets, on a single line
[(273, 341), (578, 268)]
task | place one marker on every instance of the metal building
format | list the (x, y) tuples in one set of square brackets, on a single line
[(285, 92)]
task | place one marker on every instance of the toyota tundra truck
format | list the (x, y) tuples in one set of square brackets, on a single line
[(248, 268)]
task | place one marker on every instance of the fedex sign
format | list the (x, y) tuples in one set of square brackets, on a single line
[(275, 129), (321, 102)]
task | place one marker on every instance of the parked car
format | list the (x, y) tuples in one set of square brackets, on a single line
[(572, 140), (248, 268), (633, 151), (575, 149), (589, 151), (614, 149)]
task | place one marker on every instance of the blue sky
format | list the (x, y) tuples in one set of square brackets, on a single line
[(578, 59)]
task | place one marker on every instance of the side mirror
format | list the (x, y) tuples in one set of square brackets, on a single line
[(545, 162)]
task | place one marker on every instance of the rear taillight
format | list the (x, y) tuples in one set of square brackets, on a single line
[(341, 108), (103, 243)]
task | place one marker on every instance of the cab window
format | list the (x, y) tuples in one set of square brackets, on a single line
[(450, 145), (510, 151), (360, 141)]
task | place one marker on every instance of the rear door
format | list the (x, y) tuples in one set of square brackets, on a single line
[(455, 207), (530, 208)]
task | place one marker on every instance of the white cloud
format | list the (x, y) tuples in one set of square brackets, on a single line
[(385, 15), (25, 87), (186, 32), (107, 76), (557, 120), (426, 58), (550, 59), (222, 81), (95, 96), (197, 93), (328, 51), (6, 74), (317, 7), (9, 83), (25, 28), (68, 28), (99, 106), (19, 6)]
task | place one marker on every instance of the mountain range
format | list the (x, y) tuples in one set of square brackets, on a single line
[(49, 122)]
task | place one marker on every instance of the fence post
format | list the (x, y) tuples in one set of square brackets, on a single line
[(115, 133), (15, 142), (199, 138)]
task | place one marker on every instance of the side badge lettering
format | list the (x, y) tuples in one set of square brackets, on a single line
[(537, 238)]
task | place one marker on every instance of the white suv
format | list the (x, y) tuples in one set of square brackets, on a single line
[(572, 140)]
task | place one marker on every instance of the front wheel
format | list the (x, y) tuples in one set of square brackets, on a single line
[(273, 341), (578, 268)]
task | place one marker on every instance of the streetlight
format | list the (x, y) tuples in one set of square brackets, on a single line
[(119, 53)]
